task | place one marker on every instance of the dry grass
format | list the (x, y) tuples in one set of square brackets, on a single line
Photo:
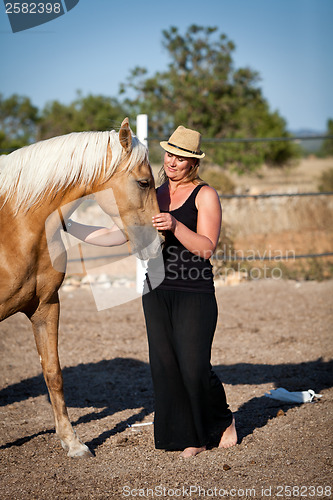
[(305, 176)]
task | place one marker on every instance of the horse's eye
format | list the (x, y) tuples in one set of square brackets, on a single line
[(143, 184)]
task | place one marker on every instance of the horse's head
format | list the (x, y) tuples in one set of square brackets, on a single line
[(129, 197)]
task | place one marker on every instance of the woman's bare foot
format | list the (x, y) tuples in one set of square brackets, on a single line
[(229, 436), (191, 452)]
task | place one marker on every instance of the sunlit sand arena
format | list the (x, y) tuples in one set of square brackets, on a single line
[(271, 333)]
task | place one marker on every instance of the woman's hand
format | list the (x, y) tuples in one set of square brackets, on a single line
[(164, 222)]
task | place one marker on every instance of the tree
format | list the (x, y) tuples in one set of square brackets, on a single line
[(202, 90), (18, 122), (84, 114), (327, 147)]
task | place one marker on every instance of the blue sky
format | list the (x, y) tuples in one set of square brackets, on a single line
[(93, 47)]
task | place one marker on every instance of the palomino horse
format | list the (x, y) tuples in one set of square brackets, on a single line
[(35, 182)]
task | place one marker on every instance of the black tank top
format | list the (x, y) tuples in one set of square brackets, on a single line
[(183, 270)]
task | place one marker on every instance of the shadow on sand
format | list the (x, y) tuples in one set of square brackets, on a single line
[(125, 383)]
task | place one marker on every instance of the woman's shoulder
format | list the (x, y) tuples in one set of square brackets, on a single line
[(207, 192), (207, 195)]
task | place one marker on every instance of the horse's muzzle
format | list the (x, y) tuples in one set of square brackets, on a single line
[(147, 242)]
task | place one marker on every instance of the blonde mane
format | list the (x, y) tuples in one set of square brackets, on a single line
[(61, 162)]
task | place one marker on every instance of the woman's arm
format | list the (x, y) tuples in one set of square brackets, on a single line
[(204, 241), (100, 236)]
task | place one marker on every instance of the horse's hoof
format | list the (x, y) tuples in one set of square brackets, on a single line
[(64, 445), (81, 451)]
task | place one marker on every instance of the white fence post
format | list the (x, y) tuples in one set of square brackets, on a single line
[(142, 135)]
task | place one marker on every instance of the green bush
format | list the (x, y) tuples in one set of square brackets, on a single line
[(218, 180), (326, 181)]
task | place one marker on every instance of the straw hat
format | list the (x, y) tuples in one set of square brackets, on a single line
[(184, 142)]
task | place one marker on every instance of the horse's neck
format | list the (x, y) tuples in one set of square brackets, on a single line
[(64, 203), (49, 208)]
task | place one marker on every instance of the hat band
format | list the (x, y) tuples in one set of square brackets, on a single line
[(187, 150)]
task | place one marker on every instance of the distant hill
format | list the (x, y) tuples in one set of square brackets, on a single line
[(309, 145)]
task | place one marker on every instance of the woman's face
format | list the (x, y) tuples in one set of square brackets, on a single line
[(177, 167)]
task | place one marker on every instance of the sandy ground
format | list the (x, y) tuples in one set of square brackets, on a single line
[(270, 334)]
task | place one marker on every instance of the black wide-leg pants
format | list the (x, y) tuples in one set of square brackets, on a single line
[(190, 402)]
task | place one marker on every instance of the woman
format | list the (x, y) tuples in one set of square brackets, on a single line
[(181, 312)]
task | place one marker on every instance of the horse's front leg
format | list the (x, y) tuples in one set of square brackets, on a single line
[(45, 322)]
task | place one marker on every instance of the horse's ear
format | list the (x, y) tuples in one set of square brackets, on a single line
[(125, 135)]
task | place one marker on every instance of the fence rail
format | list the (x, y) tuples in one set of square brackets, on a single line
[(272, 195), (222, 258), (277, 258), (232, 139), (254, 139)]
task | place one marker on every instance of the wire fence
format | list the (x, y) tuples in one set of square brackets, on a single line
[(219, 257), (294, 138), (291, 138), (275, 259), (236, 258), (276, 195)]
